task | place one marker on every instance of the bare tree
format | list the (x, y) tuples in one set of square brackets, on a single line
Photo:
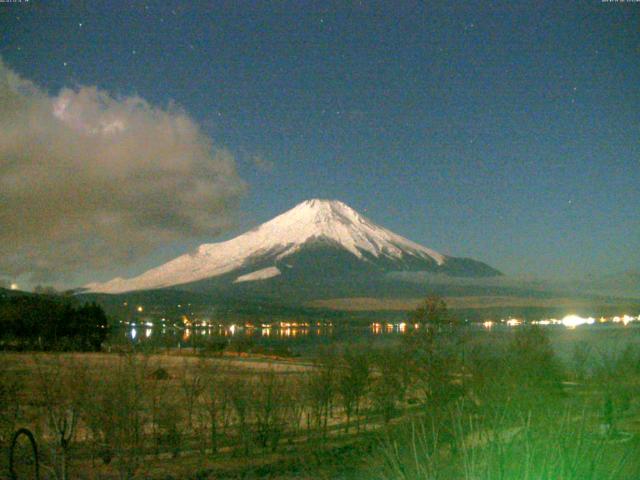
[(192, 388), (434, 352), (117, 413), (170, 425), (296, 404), (386, 389), (241, 391), (432, 313), (271, 404), (216, 401), (62, 390), (321, 391), (352, 384)]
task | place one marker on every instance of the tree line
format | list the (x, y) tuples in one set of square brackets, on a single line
[(47, 322)]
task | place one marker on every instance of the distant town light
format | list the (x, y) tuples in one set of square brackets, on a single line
[(573, 321), (14, 286), (140, 308)]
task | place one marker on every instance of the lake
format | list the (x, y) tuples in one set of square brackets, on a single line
[(601, 338)]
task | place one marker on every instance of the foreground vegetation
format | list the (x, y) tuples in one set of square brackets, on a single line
[(441, 404)]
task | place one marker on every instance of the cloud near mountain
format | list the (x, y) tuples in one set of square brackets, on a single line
[(90, 180)]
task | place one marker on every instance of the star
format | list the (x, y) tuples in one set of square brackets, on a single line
[(65, 64), (80, 25)]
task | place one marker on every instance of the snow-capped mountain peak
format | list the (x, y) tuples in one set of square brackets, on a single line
[(316, 220), (335, 221)]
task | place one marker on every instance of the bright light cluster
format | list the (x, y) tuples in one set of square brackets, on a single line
[(547, 321), (625, 319), (573, 321)]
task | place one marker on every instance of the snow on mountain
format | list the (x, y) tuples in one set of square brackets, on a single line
[(284, 235), (261, 274)]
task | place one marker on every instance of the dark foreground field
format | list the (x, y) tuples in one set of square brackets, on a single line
[(441, 403)]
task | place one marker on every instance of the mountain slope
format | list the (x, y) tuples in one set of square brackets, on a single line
[(316, 239)]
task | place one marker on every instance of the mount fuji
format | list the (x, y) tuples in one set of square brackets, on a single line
[(318, 246)]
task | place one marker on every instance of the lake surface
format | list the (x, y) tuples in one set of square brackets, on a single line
[(602, 339)]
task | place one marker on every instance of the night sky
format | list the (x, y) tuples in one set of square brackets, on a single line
[(508, 132)]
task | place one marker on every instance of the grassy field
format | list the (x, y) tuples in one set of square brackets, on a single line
[(448, 405)]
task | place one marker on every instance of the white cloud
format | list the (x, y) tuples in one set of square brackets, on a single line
[(89, 181)]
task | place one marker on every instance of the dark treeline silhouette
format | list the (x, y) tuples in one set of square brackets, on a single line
[(47, 322)]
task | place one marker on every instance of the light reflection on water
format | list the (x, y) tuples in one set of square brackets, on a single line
[(604, 338), (284, 330), (188, 333)]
